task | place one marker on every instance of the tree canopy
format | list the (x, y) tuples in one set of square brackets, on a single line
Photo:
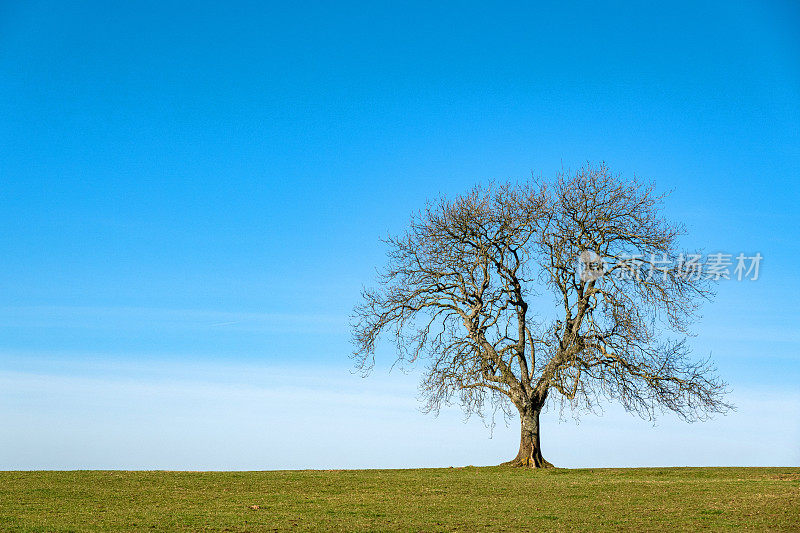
[(466, 287)]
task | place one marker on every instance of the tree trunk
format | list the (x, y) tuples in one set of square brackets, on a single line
[(530, 448)]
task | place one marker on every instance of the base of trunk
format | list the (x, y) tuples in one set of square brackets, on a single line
[(529, 462), (530, 454), (530, 449)]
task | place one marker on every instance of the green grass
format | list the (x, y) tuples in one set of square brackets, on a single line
[(463, 499)]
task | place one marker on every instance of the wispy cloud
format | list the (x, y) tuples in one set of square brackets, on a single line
[(84, 317)]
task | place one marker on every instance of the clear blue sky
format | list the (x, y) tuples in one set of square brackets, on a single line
[(192, 196)]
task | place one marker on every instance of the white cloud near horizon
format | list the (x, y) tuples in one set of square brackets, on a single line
[(220, 416)]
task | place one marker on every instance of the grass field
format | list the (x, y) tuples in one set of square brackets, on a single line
[(465, 499)]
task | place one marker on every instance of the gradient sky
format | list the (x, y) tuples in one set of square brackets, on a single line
[(193, 195)]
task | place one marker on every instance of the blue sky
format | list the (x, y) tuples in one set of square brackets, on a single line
[(193, 196)]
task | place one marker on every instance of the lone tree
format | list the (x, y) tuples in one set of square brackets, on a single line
[(466, 286)]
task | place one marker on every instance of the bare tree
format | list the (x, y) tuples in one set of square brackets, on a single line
[(465, 290)]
